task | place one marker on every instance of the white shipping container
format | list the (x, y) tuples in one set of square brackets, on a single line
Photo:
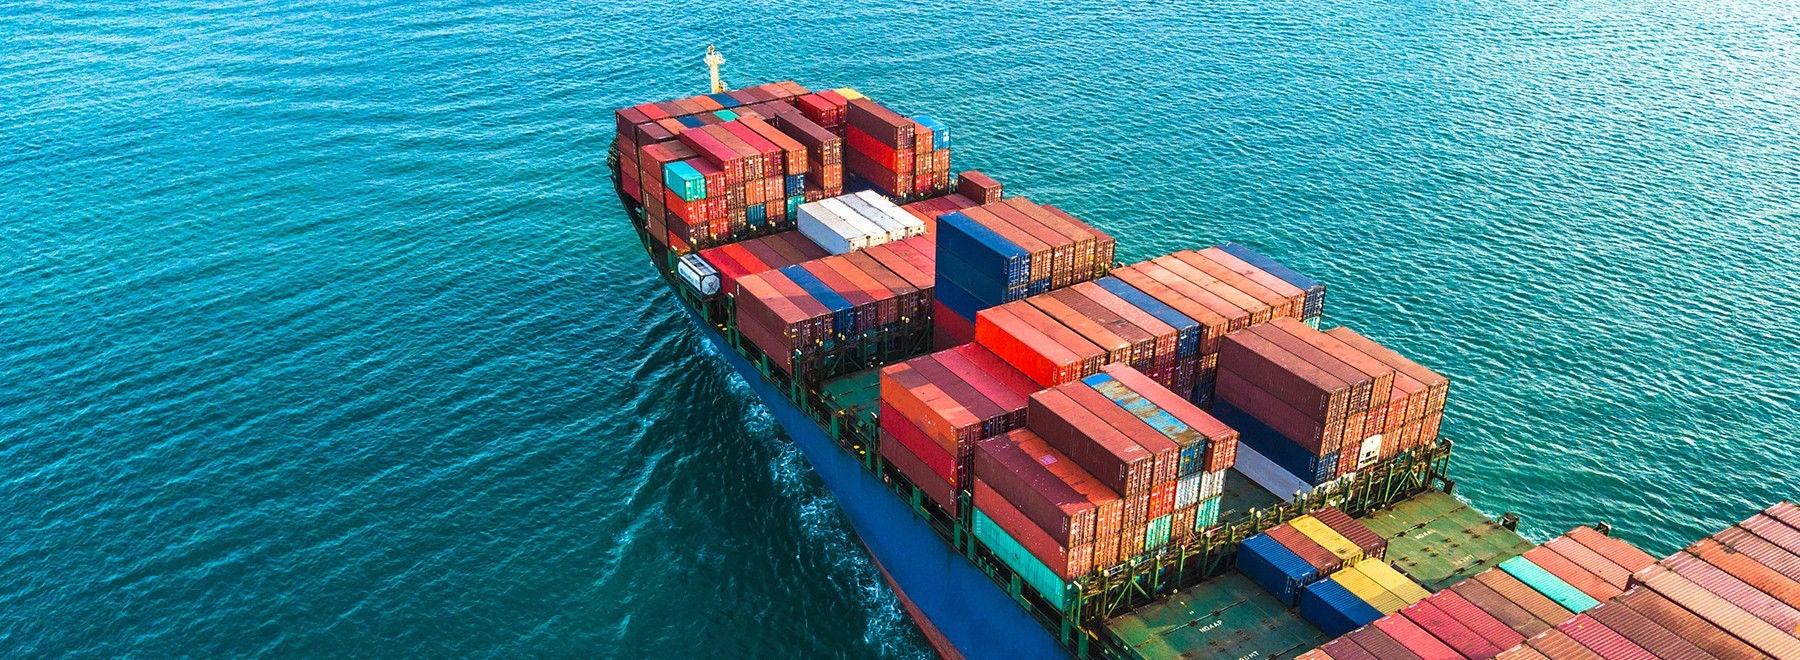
[(1212, 484), (914, 226), (895, 231), (874, 233), (698, 274), (827, 230), (1187, 490)]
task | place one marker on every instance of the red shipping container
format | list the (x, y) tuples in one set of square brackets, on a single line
[(979, 187), (1496, 632), (1614, 574), (1555, 645), (1143, 345), (1437, 386), (1309, 550), (1342, 648), (928, 452), (1279, 305), (1447, 629), (1618, 551), (935, 487), (940, 415), (1576, 576), (948, 329), (1415, 639), (1720, 611), (1749, 570), (1380, 644), (1116, 349), (1027, 345), (1162, 500), (1067, 563), (1748, 597), (1166, 452)]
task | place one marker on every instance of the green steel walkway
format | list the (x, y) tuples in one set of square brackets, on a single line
[(1439, 541)]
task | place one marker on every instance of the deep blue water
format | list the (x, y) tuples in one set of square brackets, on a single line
[(322, 331)]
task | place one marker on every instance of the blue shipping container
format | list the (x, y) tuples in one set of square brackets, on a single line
[(1315, 291), (1334, 609), (843, 314), (957, 300), (1187, 331), (980, 247), (1274, 568), (756, 215), (1276, 447), (953, 269), (690, 121), (724, 100), (940, 134), (1193, 444), (795, 184)]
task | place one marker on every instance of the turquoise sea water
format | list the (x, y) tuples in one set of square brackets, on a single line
[(322, 332)]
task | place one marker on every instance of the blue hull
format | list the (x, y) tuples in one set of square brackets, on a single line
[(960, 607)]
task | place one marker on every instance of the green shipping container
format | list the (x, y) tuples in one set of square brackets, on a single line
[(685, 181), (1550, 586), (726, 115), (1208, 515), (1156, 534), (793, 204), (1016, 557)]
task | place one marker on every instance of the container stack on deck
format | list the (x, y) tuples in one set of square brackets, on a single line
[(935, 408), (1321, 404), (716, 168), (1106, 469), (809, 309)]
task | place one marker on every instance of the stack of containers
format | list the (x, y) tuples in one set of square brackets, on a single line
[(1163, 459), (1415, 409), (1005, 251), (715, 168), (1315, 291), (900, 157), (928, 210), (936, 407), (797, 312), (1330, 566), (852, 222), (1039, 511), (1301, 397)]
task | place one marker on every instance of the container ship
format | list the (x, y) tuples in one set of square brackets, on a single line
[(1048, 452)]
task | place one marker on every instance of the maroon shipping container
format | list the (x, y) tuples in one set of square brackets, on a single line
[(1114, 459), (880, 123), (908, 303), (1308, 549), (1467, 613), (1606, 569), (1164, 353), (1576, 576), (1068, 563), (1557, 645), (1720, 611), (1276, 414), (1747, 569), (1371, 543), (1091, 256), (1302, 385), (1104, 245), (1437, 386), (1603, 640), (1689, 626), (1361, 385), (866, 305), (978, 187), (1646, 633), (1380, 644), (1167, 454), (1061, 498), (1447, 629), (1342, 648), (999, 387), (1518, 618), (1143, 344), (993, 417), (1745, 596), (1378, 373), (1415, 639), (1524, 596)]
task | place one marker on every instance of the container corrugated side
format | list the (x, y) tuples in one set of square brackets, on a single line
[(1274, 568), (1333, 609)]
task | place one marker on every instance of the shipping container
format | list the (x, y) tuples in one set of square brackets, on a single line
[(1275, 568), (1315, 291), (1334, 609), (1372, 544), (978, 187), (1026, 339), (1556, 645), (1615, 575), (1689, 626), (1067, 562), (1118, 462), (1646, 633), (1333, 542), (1020, 560), (1491, 602), (1467, 613), (1569, 572), (1549, 585), (1749, 570), (1737, 592), (1521, 594), (1381, 645), (1019, 465), (1450, 631), (1603, 640), (1416, 639)]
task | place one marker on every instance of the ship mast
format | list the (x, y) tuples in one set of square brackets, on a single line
[(713, 60)]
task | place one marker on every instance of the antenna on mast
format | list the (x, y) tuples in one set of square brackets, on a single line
[(713, 60)]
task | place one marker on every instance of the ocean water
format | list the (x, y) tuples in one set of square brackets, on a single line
[(322, 331)]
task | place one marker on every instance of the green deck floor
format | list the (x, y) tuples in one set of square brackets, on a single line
[(1226, 617), (1241, 495), (1439, 541)]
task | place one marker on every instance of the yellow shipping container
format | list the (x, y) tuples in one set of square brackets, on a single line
[(1364, 588), (1381, 573), (849, 94), (1336, 543)]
